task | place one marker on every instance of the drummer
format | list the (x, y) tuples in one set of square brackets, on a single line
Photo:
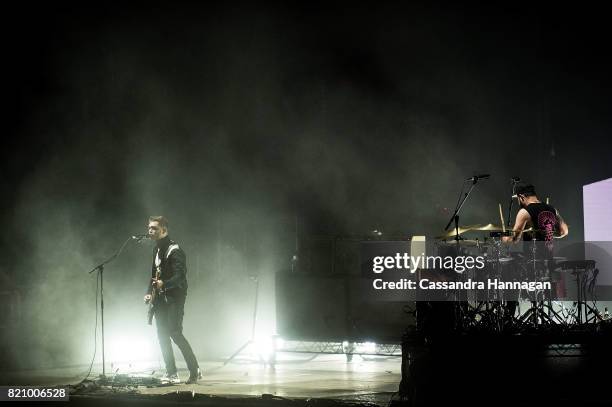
[(543, 219), (544, 223)]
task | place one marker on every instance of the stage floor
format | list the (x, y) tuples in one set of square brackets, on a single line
[(477, 376), (367, 379)]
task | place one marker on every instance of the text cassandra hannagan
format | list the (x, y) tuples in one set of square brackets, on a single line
[(492, 284)]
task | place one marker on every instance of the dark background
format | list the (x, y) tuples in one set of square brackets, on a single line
[(242, 123)]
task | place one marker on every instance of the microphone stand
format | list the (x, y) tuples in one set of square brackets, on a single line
[(460, 204), (254, 321), (514, 182), (100, 269), (460, 310)]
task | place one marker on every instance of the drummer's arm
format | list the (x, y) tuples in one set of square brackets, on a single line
[(522, 217), (563, 228)]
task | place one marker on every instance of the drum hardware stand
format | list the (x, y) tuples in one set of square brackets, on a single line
[(472, 316), (490, 312), (579, 270), (595, 315), (497, 307), (589, 310), (537, 312), (494, 312), (542, 311), (549, 305), (499, 293)]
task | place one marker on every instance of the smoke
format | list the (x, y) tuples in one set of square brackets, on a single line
[(237, 126)]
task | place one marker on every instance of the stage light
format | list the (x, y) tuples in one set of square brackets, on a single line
[(264, 347), (129, 353), (368, 347)]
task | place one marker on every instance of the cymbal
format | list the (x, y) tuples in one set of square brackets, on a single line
[(487, 227), (477, 227), (452, 232)]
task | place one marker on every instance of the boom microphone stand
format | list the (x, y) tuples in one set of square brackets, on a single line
[(515, 181), (100, 269), (252, 340), (461, 202), (455, 218)]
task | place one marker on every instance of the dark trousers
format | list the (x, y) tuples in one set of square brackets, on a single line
[(169, 321)]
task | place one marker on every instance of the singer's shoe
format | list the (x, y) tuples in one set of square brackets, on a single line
[(194, 377), (171, 379)]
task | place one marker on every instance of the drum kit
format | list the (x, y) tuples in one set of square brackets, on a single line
[(496, 309), (530, 262)]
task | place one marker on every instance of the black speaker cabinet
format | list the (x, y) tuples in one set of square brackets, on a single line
[(336, 308), (310, 306)]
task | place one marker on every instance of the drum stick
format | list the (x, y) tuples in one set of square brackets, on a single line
[(547, 200), (501, 216)]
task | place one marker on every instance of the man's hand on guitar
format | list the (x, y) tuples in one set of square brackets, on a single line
[(147, 298), (158, 284)]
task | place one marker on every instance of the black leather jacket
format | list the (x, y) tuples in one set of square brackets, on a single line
[(173, 267)]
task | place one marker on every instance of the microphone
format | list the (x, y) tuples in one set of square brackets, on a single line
[(140, 238), (516, 179), (477, 177)]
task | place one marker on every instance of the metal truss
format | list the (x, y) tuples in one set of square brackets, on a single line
[(340, 348), (565, 350)]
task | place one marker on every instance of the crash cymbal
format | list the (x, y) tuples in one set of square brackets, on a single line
[(471, 228), (487, 227), (452, 232)]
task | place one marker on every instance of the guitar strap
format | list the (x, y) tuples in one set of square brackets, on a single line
[(158, 262), (171, 248), (169, 251)]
